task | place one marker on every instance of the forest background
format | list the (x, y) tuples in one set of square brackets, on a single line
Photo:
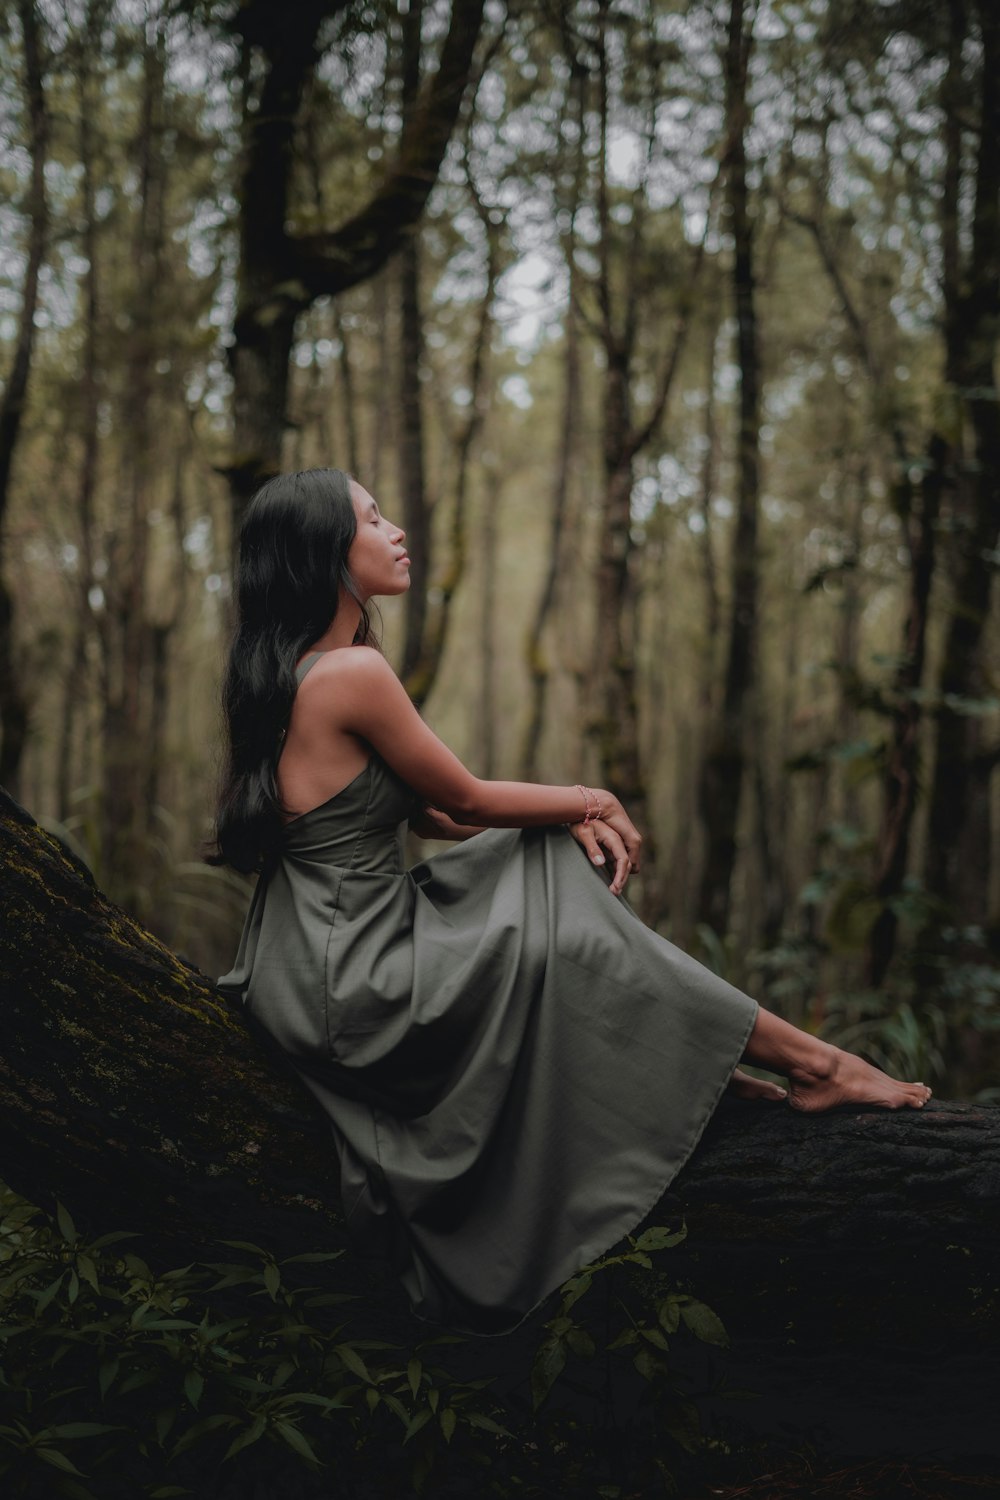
[(669, 333)]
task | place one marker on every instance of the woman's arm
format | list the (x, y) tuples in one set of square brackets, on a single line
[(367, 699), (431, 823)]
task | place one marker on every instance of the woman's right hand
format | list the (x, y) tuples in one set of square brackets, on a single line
[(613, 813)]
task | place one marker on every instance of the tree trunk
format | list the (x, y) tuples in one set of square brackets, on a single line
[(133, 1093), (919, 510), (536, 657), (74, 695), (13, 700), (722, 770), (126, 636), (281, 274), (415, 511), (958, 842)]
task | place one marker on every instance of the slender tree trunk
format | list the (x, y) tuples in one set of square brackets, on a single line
[(723, 767), (348, 398), (125, 813), (539, 669), (958, 842), (412, 488), (70, 773), (919, 509), (13, 699), (421, 679), (487, 626)]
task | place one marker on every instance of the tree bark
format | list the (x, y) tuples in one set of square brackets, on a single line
[(133, 1093), (13, 699)]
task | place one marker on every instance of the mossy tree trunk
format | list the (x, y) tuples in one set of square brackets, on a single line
[(133, 1093)]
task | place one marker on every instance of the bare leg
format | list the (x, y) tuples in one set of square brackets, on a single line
[(821, 1076)]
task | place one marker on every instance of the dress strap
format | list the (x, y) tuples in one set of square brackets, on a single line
[(306, 663)]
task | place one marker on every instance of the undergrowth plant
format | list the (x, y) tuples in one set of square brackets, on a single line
[(118, 1381)]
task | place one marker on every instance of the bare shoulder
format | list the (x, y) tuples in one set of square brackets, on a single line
[(351, 673)]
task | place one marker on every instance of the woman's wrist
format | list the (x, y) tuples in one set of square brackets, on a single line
[(592, 805)]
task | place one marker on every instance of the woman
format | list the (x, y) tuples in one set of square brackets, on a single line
[(514, 1065)]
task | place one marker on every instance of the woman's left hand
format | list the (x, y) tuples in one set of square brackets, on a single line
[(595, 836)]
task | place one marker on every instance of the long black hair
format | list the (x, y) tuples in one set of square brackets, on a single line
[(292, 563)]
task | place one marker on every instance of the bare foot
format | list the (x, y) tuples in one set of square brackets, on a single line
[(745, 1087), (841, 1078)]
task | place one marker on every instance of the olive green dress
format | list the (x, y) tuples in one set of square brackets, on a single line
[(514, 1066)]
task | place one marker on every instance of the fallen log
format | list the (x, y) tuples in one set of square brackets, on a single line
[(134, 1094)]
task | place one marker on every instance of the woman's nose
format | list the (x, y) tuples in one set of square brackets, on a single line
[(398, 533)]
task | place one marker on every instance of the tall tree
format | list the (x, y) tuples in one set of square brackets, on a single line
[(13, 701), (721, 781), (412, 484), (958, 834), (282, 273), (630, 270)]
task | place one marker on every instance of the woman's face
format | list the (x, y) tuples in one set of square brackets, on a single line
[(378, 561)]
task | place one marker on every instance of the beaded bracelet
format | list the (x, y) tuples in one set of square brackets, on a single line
[(591, 803)]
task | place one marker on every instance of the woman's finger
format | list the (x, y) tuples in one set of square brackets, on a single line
[(629, 834), (587, 839), (615, 847)]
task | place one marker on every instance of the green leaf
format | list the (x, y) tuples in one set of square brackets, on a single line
[(106, 1374), (581, 1343), (165, 1419), (625, 1338), (352, 1359), (66, 1226), (297, 1441), (575, 1289), (397, 1408), (244, 1245), (449, 1421), (647, 1364), (58, 1460), (669, 1314), (704, 1324), (272, 1279), (72, 1287), (194, 1384), (112, 1239), (547, 1366), (372, 1397), (246, 1438), (659, 1238), (639, 1258), (88, 1270), (312, 1257), (487, 1424), (655, 1337), (46, 1297), (80, 1429), (414, 1370), (420, 1420)]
